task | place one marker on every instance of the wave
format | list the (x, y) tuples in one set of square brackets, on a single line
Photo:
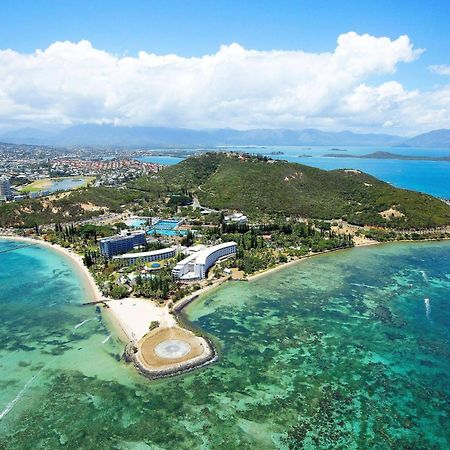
[(78, 325), (424, 275), (106, 339), (427, 307), (13, 402)]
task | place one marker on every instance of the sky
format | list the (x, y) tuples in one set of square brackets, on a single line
[(333, 65)]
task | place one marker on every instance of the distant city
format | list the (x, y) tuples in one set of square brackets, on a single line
[(22, 165)]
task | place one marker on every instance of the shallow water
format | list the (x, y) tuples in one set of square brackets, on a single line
[(340, 351)]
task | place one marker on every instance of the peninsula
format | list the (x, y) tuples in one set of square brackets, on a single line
[(160, 241)]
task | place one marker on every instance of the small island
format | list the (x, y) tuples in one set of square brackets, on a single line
[(388, 155)]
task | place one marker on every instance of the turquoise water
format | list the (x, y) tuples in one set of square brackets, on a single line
[(136, 223), (167, 228), (164, 160), (430, 177), (348, 350)]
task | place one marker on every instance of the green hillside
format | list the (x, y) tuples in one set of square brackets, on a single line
[(261, 187), (68, 208)]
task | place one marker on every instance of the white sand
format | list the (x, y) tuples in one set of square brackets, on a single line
[(135, 314)]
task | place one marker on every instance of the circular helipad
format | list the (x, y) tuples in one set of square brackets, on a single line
[(172, 349)]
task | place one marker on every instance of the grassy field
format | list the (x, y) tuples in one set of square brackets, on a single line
[(45, 183)]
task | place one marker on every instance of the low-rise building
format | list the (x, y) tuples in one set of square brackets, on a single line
[(238, 218), (128, 259), (196, 265), (122, 243)]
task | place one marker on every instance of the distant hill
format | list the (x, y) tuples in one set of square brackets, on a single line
[(267, 188), (27, 136), (109, 135), (436, 138)]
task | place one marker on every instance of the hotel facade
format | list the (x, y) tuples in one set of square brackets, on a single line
[(128, 259), (5, 189), (122, 243), (196, 265)]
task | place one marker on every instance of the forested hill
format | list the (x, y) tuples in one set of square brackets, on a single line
[(258, 186)]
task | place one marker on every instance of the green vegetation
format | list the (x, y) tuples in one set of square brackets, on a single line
[(71, 207), (264, 246), (265, 188)]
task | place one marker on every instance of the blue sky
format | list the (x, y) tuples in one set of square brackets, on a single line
[(197, 28)]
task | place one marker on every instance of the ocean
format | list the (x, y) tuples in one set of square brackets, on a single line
[(430, 177), (345, 350)]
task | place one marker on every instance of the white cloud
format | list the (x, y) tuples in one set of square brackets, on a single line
[(70, 83), (440, 69)]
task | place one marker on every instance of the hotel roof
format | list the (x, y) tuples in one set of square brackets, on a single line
[(161, 251), (202, 255), (118, 237)]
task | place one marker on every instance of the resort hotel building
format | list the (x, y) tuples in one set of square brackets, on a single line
[(128, 259), (122, 243), (196, 265)]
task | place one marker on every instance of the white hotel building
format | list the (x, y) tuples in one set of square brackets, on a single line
[(128, 259), (195, 266)]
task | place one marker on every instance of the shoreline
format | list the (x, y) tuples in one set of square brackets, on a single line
[(75, 260), (265, 272), (129, 318), (189, 299)]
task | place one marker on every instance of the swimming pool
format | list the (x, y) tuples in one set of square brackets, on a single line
[(167, 228), (136, 223)]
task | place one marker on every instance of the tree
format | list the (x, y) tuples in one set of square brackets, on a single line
[(188, 240)]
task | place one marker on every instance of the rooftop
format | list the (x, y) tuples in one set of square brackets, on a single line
[(144, 254), (123, 234)]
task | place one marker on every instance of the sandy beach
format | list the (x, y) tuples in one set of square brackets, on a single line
[(134, 316), (131, 316)]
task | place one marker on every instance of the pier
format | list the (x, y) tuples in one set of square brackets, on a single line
[(96, 302)]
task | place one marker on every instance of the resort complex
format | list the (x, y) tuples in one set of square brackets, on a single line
[(196, 265)]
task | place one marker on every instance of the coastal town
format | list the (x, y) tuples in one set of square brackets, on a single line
[(31, 171)]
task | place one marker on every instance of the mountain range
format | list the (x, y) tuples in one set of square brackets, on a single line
[(120, 136)]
